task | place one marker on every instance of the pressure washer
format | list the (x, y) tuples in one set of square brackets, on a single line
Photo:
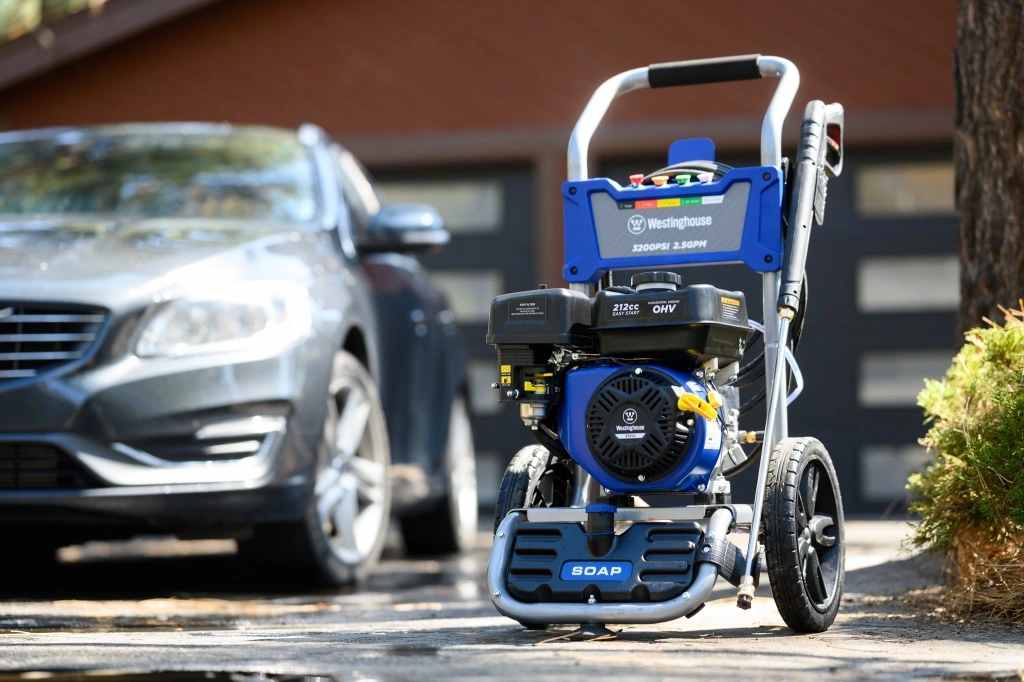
[(622, 511)]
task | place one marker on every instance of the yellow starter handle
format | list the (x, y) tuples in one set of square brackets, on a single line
[(688, 402)]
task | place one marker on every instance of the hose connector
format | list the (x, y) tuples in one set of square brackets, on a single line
[(745, 593)]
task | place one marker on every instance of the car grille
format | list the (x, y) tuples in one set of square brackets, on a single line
[(35, 339), (40, 466)]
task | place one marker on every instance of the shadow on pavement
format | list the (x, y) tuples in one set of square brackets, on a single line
[(137, 573), (141, 578)]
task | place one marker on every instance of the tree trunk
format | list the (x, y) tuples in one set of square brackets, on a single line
[(989, 156)]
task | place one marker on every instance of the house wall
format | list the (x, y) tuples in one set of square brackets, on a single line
[(399, 67)]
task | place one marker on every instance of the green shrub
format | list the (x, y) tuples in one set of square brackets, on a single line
[(971, 499)]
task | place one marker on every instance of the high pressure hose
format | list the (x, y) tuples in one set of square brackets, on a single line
[(754, 373)]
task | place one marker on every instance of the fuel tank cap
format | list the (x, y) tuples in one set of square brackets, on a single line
[(643, 281)]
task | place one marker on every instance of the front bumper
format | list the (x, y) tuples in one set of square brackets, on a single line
[(166, 443), (199, 510)]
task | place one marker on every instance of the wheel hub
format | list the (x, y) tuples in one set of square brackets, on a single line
[(350, 488), (817, 527), (816, 547)]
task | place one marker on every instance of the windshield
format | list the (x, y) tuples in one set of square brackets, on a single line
[(260, 175)]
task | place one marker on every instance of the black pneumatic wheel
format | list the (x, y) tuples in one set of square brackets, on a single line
[(803, 534), (534, 478)]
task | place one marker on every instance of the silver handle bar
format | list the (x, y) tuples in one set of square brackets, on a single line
[(636, 79)]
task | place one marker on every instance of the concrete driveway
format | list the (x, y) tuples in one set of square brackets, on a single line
[(419, 620)]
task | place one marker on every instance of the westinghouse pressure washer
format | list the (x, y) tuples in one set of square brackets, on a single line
[(621, 513)]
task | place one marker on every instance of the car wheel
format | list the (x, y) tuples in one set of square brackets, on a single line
[(346, 520), (450, 525)]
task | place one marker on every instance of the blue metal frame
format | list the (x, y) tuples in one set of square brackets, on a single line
[(691, 474), (760, 247)]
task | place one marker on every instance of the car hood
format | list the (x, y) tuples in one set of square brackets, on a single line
[(113, 263)]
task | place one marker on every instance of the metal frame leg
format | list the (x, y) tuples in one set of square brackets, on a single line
[(585, 489), (776, 336)]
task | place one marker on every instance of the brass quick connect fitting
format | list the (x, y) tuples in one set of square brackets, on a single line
[(745, 593)]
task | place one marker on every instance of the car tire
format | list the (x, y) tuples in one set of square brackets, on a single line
[(345, 524), (450, 524)]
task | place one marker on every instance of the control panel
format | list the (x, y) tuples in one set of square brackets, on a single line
[(688, 219)]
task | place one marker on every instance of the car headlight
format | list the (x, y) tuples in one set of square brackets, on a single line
[(249, 315)]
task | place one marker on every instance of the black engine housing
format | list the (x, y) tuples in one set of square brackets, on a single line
[(682, 328), (690, 326)]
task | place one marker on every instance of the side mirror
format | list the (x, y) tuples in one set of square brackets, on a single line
[(405, 228)]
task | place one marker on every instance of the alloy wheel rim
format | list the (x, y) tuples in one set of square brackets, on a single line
[(351, 486), (818, 536)]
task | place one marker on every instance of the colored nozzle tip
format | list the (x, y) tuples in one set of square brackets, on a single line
[(659, 180), (683, 179), (636, 179)]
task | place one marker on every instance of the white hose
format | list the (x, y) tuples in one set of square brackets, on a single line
[(793, 366)]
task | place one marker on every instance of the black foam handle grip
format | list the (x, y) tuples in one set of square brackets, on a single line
[(697, 71)]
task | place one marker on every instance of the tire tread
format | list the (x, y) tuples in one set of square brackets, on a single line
[(520, 479)]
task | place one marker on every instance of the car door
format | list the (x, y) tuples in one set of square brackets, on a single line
[(416, 332)]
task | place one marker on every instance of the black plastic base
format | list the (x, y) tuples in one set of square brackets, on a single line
[(648, 562)]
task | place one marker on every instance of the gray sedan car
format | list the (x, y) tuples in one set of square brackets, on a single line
[(218, 331)]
